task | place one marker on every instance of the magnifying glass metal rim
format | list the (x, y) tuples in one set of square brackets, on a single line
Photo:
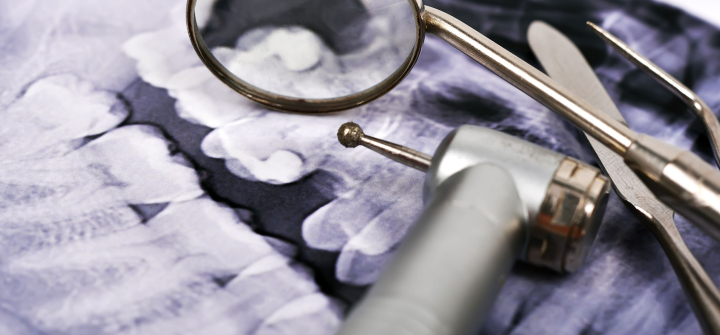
[(300, 105)]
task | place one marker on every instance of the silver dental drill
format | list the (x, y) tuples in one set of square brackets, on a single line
[(490, 199)]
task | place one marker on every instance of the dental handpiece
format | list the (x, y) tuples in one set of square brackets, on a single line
[(491, 199)]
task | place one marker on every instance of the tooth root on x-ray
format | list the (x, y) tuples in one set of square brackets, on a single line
[(86, 263), (175, 257)]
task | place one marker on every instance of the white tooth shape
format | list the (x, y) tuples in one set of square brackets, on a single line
[(256, 154), (162, 53), (321, 232), (165, 58), (56, 112), (40, 38), (298, 49), (306, 315), (203, 99), (376, 200), (379, 224), (134, 156)]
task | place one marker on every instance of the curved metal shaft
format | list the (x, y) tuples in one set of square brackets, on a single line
[(697, 105), (398, 153), (677, 177)]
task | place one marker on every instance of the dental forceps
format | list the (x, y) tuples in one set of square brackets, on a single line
[(564, 62)]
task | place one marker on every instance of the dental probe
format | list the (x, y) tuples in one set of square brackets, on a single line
[(490, 199)]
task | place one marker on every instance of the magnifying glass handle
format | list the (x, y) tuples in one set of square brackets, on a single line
[(450, 268)]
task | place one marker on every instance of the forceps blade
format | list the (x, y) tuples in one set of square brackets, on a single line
[(564, 63), (697, 105)]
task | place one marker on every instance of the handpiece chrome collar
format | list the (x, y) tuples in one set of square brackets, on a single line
[(565, 198), (569, 217)]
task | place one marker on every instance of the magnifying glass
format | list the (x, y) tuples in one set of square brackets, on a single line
[(310, 56)]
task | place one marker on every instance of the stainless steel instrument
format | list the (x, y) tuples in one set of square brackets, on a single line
[(490, 199), (565, 63), (677, 177)]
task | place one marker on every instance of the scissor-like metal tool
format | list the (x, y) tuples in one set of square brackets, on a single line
[(565, 64)]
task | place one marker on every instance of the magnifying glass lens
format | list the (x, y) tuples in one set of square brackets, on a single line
[(308, 49)]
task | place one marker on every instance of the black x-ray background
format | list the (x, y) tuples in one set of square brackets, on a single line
[(533, 300)]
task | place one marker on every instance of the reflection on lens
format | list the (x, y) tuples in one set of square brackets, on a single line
[(309, 49)]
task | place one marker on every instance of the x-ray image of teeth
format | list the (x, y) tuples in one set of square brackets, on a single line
[(140, 195), (106, 231)]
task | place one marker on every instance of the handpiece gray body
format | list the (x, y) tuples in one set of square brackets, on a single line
[(452, 264), (490, 199)]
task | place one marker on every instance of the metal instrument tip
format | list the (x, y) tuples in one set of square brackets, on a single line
[(350, 134), (601, 32)]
